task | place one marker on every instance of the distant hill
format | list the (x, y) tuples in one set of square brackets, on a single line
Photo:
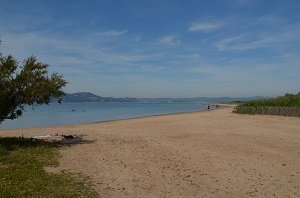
[(89, 97), (82, 97)]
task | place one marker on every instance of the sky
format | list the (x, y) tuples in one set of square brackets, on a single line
[(160, 48)]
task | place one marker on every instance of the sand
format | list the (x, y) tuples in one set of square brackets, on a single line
[(203, 154)]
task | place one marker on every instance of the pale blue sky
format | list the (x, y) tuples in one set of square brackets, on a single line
[(160, 48)]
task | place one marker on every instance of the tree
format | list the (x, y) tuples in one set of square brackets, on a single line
[(28, 84)]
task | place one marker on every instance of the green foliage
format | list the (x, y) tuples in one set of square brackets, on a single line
[(287, 105), (288, 100), (28, 84), (22, 172)]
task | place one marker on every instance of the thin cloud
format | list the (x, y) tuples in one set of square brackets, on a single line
[(60, 52), (262, 40), (137, 39), (206, 69), (113, 33), (270, 20), (169, 40), (230, 42), (205, 26)]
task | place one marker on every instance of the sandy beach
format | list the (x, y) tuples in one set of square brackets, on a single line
[(202, 154)]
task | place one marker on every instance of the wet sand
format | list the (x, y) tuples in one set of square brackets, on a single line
[(203, 154)]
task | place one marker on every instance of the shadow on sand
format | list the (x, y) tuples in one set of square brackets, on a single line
[(11, 143)]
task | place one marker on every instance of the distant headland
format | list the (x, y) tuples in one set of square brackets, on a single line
[(90, 97)]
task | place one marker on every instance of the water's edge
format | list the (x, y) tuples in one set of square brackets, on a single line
[(61, 116)]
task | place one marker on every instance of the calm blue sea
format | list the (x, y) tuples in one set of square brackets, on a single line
[(61, 114)]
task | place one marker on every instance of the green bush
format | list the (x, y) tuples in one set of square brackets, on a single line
[(287, 105), (288, 100)]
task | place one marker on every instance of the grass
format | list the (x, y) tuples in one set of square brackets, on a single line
[(288, 100), (287, 105), (22, 172)]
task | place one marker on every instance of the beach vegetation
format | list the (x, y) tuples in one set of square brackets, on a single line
[(28, 83), (23, 174), (288, 105)]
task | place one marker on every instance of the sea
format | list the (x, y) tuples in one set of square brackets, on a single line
[(56, 114)]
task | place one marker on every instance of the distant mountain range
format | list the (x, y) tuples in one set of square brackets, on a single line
[(89, 97)]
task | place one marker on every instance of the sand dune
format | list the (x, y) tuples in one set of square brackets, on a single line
[(203, 154)]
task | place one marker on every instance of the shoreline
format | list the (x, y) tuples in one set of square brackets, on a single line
[(122, 119), (209, 153), (158, 115)]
